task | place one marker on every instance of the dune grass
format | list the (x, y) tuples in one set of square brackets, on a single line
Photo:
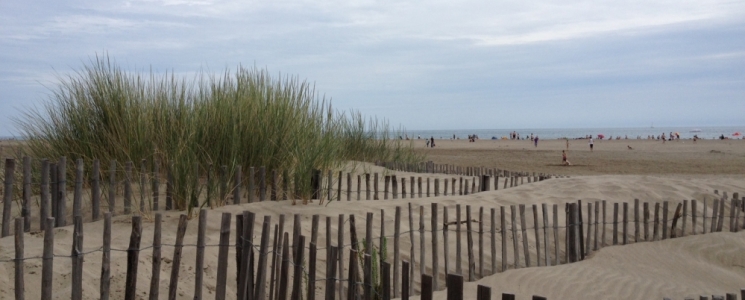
[(244, 117)]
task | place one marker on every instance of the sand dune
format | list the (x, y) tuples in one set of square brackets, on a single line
[(680, 267)]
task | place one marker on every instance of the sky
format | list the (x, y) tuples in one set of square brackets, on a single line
[(418, 64)]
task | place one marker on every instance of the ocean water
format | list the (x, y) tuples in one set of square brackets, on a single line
[(572, 133)]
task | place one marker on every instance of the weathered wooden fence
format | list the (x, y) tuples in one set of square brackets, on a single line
[(124, 189), (372, 270)]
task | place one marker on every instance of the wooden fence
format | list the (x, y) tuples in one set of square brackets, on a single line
[(120, 189), (273, 266)]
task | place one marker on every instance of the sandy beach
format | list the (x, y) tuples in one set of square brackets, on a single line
[(652, 172), (647, 157)]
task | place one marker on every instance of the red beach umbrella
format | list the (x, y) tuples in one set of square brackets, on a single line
[(601, 136), (736, 134)]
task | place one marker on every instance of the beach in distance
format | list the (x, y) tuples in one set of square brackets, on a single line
[(609, 157)]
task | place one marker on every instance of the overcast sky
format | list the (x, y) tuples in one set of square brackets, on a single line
[(421, 64)]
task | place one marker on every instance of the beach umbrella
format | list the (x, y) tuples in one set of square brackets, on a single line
[(601, 136), (736, 134)]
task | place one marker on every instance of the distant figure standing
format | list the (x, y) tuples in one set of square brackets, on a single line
[(567, 144), (536, 141), (427, 142), (564, 160), (591, 144), (432, 142)]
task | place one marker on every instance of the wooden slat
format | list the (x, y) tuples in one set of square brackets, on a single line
[(625, 222), (133, 258), (385, 270), (536, 229), (556, 233), (523, 229), (284, 270), (26, 205), (455, 287), (483, 293), (406, 281), (77, 258), (340, 242), (458, 256), (665, 225), (47, 265), (636, 220), (435, 245), (397, 252), (19, 268), (61, 192), (199, 264), (297, 277), (128, 187), (493, 240), (427, 289), (155, 278), (46, 205), (469, 245), (352, 291), (312, 270), (513, 216), (10, 165), (176, 261)]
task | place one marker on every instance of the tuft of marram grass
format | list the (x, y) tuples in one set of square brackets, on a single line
[(241, 118)]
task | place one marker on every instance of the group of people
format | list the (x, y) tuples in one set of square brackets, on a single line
[(430, 142)]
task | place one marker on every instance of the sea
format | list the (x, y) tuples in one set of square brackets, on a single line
[(578, 133)]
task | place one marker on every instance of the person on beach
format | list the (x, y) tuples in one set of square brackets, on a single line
[(535, 140), (564, 158), (432, 142), (567, 144), (591, 144)]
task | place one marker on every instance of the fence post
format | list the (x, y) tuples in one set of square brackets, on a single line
[(199, 264), (77, 258), (26, 210), (19, 283), (298, 274), (426, 290), (128, 187), (396, 251), (45, 205), (62, 192), (665, 209), (133, 254), (105, 258), (10, 165), (536, 229), (636, 220), (95, 189), (435, 244), (524, 235), (155, 278), (455, 287), (493, 235), (406, 282), (483, 293), (176, 263), (385, 270), (513, 216), (47, 266)]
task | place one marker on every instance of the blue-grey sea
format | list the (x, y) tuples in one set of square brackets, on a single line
[(573, 133)]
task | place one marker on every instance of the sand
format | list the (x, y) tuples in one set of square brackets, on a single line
[(677, 268), (648, 157)]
